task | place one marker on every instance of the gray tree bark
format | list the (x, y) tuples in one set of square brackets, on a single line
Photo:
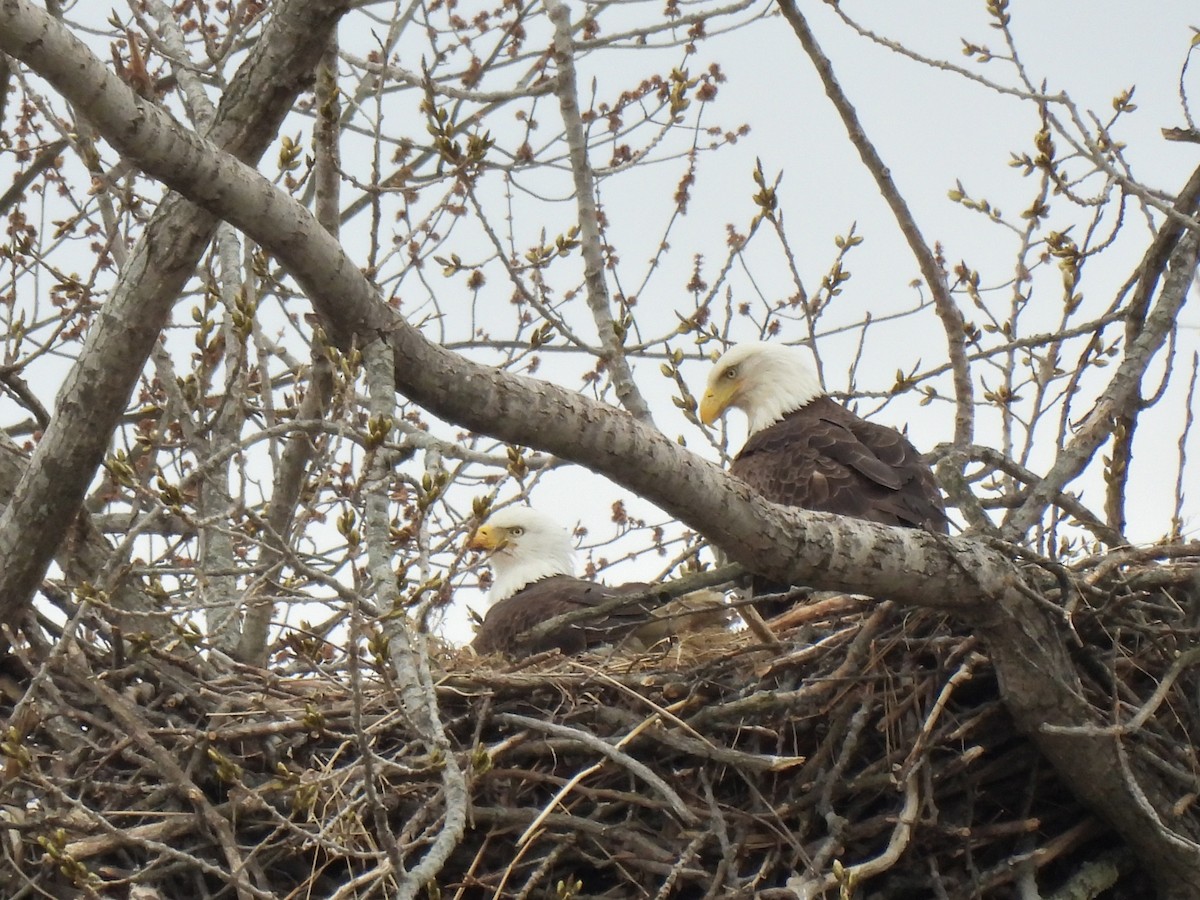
[(1025, 638), (117, 346)]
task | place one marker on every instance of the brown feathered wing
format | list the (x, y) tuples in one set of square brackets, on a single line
[(507, 623), (824, 457)]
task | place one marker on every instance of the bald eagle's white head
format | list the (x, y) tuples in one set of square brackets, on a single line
[(765, 381), (524, 546)]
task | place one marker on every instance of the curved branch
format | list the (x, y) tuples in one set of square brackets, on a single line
[(611, 752), (947, 309), (1121, 391), (117, 346), (1025, 643), (842, 554), (591, 240)]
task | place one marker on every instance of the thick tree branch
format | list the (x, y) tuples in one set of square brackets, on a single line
[(518, 409), (1024, 641), (100, 383), (1123, 387)]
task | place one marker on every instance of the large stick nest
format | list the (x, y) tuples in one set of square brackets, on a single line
[(872, 737)]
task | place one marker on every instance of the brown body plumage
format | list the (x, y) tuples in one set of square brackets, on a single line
[(809, 451), (824, 457), (533, 561), (505, 626)]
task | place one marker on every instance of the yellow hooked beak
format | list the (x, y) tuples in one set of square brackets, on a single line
[(718, 398), (487, 537)]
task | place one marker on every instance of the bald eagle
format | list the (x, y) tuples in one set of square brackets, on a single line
[(533, 564), (807, 450)]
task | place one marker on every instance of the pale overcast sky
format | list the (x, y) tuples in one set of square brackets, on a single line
[(933, 128)]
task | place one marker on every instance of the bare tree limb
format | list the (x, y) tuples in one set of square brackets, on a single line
[(1154, 262), (101, 380), (947, 310), (1125, 384), (591, 238), (407, 649)]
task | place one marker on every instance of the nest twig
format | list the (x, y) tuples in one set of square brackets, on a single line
[(872, 751)]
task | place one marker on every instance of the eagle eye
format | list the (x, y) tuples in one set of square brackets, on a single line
[(516, 531), (731, 372)]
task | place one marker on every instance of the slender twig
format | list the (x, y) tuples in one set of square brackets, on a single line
[(947, 310), (45, 159), (1189, 418), (1121, 389), (407, 649), (590, 235), (610, 752)]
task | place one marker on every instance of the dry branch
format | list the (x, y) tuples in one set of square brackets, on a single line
[(895, 761)]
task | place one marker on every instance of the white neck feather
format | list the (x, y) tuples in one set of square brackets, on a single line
[(777, 382), (516, 567)]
